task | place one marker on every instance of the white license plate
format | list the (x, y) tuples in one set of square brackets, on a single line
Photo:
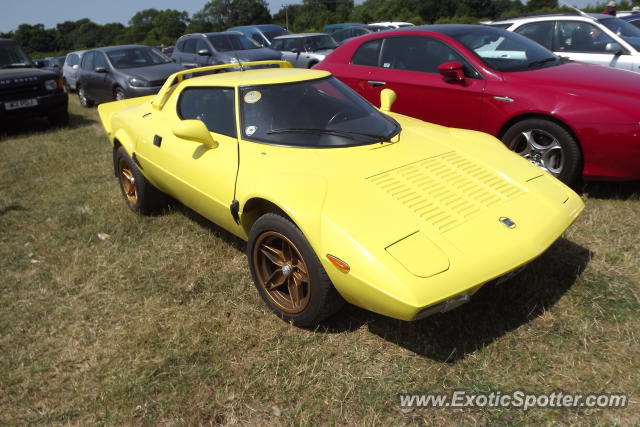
[(21, 103)]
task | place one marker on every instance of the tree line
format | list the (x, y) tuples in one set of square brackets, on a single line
[(162, 27)]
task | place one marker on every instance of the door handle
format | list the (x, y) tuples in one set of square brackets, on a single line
[(376, 83)]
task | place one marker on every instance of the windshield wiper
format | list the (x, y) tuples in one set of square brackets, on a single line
[(341, 133), (19, 65), (541, 62)]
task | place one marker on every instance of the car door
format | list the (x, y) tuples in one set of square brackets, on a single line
[(409, 66), (102, 81), (202, 178), (87, 76)]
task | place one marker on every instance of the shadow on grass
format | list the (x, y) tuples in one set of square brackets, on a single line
[(492, 312), (14, 207), (613, 190), (24, 127)]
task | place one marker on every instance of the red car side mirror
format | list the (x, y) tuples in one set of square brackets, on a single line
[(452, 71)]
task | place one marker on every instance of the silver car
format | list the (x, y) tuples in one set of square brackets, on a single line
[(594, 37), (70, 69), (304, 50)]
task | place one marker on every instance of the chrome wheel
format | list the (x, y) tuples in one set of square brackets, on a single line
[(82, 96), (540, 148), (127, 182), (281, 272)]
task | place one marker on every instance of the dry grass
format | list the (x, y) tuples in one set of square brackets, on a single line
[(159, 323)]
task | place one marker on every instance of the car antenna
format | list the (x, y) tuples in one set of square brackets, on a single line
[(574, 8), (239, 62)]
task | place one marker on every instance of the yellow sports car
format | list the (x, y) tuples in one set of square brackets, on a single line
[(338, 200)]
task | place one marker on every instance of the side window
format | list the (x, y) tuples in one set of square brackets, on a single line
[(416, 53), (189, 46), (201, 44), (540, 32), (215, 107), (180, 46), (278, 45), (87, 61), (73, 60), (575, 36), (99, 60), (367, 53)]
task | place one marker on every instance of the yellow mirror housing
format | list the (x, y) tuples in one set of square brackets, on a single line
[(194, 130), (387, 98)]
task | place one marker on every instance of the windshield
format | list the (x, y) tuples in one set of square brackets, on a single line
[(505, 51), (272, 34), (316, 113), (319, 42), (629, 32), (11, 56), (230, 42), (136, 57)]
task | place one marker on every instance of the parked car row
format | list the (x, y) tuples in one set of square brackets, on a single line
[(572, 119)]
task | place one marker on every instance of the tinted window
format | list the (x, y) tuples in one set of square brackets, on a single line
[(228, 42), (367, 54), (278, 44), (201, 44), (319, 42), (574, 36), (189, 46), (416, 53), (13, 56), (291, 44), (629, 32), (99, 60), (213, 106), (87, 61), (541, 32)]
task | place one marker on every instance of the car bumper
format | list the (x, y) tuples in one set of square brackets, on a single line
[(133, 92), (45, 104)]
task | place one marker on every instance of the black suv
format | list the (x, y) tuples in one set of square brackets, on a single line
[(26, 91)]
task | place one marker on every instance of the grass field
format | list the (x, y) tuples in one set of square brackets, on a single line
[(111, 318)]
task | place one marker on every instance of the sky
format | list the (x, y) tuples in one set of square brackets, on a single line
[(52, 12)]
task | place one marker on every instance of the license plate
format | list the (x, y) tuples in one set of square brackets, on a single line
[(21, 103)]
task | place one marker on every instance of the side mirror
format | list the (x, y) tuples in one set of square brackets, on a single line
[(75, 67), (194, 130), (614, 48), (387, 98), (100, 70), (204, 52), (452, 71)]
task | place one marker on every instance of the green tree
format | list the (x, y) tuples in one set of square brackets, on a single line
[(218, 15)]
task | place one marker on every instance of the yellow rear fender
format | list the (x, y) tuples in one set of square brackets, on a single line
[(107, 110)]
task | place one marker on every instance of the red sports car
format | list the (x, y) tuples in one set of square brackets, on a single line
[(569, 118)]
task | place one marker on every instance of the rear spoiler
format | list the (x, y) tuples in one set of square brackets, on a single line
[(106, 110), (164, 93)]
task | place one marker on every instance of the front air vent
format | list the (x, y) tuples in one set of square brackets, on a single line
[(446, 190)]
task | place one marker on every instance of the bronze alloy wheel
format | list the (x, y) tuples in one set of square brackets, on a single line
[(281, 272), (127, 182)]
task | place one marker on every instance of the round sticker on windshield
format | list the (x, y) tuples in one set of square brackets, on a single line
[(252, 97), (250, 130)]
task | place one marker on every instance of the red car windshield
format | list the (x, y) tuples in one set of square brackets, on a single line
[(503, 50)]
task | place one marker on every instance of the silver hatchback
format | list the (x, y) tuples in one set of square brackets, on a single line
[(304, 50), (595, 38)]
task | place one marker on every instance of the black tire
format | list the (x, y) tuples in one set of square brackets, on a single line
[(59, 118), (139, 194), (305, 279), (548, 145), (82, 96), (118, 94)]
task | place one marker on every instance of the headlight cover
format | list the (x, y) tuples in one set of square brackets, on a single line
[(50, 84), (136, 82)]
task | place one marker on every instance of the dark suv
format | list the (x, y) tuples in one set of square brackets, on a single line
[(26, 91), (197, 50)]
